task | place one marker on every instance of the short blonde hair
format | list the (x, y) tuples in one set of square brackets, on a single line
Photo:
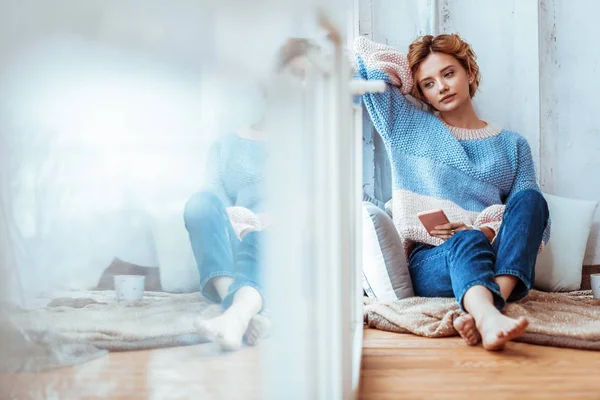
[(451, 44)]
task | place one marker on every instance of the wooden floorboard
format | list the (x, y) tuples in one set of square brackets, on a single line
[(194, 372), (394, 366)]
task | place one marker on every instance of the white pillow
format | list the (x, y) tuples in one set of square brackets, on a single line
[(177, 265), (385, 270), (559, 266)]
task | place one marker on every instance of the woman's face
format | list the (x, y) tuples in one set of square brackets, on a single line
[(443, 81)]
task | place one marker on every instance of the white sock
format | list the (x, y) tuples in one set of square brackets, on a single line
[(228, 329)]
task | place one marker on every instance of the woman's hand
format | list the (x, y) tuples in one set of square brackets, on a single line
[(292, 50), (446, 231)]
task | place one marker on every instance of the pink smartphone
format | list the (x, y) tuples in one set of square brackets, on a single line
[(431, 219)]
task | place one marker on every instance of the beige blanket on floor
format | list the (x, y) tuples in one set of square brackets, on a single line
[(555, 319), (96, 318)]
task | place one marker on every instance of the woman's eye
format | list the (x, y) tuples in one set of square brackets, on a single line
[(449, 74), (428, 85)]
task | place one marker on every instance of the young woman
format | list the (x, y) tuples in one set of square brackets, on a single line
[(222, 222), (226, 223), (482, 177)]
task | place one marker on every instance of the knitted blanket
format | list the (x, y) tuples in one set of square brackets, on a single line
[(39, 351), (64, 328), (95, 318), (555, 319)]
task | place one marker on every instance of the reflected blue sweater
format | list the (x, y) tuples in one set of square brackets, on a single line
[(236, 171)]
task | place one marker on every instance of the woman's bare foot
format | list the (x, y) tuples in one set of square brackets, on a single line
[(496, 330), (465, 326), (258, 329), (227, 330)]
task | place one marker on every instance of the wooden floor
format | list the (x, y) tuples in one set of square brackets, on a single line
[(193, 372), (394, 367)]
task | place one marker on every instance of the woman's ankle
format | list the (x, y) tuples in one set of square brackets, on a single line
[(507, 284), (247, 303), (479, 302)]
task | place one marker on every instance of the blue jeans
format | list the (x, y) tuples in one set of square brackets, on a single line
[(217, 249), (468, 259)]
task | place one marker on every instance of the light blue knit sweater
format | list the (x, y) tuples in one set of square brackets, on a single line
[(236, 171), (469, 173)]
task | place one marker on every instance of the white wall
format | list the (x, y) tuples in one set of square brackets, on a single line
[(89, 100), (570, 140), (108, 112), (505, 40), (538, 60)]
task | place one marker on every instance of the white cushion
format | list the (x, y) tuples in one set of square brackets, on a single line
[(385, 269), (560, 264), (178, 270)]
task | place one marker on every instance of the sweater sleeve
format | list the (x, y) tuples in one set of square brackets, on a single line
[(525, 179), (213, 182), (376, 61), (491, 217)]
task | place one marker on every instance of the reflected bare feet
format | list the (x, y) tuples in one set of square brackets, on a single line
[(227, 330), (258, 329)]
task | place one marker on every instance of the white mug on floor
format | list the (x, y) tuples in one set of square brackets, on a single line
[(129, 287), (595, 280)]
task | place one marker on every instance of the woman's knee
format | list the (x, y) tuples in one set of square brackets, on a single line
[(529, 196), (200, 206)]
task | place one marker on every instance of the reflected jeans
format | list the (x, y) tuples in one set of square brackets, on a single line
[(468, 258), (217, 249)]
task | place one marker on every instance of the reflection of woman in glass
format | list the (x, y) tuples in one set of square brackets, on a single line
[(224, 223)]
